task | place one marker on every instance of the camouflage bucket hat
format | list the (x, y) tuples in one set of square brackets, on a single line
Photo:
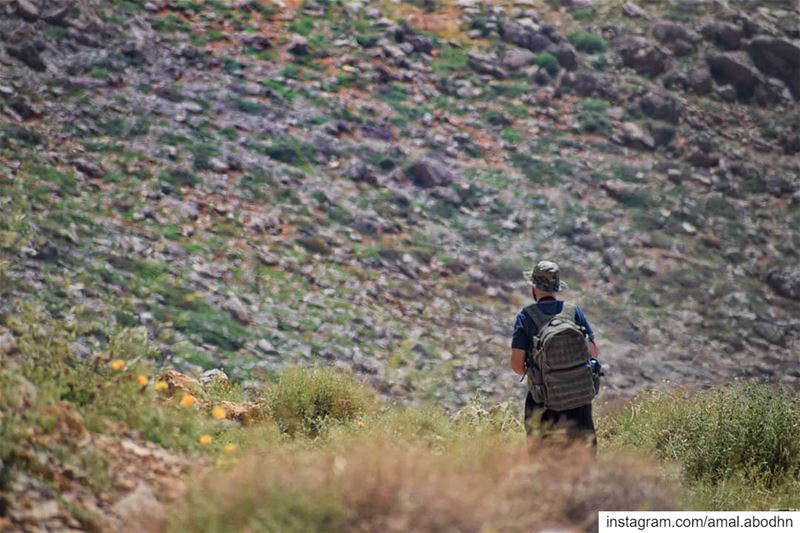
[(545, 277)]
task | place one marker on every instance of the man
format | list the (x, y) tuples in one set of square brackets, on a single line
[(545, 283)]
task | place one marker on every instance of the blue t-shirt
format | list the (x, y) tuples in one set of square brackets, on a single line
[(525, 328)]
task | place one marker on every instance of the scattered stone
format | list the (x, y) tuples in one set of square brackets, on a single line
[(632, 135), (28, 53), (237, 309), (698, 81), (565, 53), (779, 58), (518, 58), (298, 46), (360, 171), (428, 173), (486, 65), (181, 383), (785, 282), (723, 34), (676, 37), (88, 168), (27, 10), (530, 37), (631, 10), (660, 106), (139, 510), (255, 41), (216, 377), (734, 69), (644, 57)]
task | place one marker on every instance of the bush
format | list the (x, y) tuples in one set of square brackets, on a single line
[(740, 432), (592, 115), (304, 401), (588, 42), (547, 61)]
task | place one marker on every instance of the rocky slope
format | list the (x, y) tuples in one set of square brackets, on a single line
[(360, 184)]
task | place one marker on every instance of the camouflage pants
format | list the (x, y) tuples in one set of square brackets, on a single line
[(577, 423)]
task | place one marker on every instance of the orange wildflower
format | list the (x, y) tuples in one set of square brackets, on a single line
[(161, 386), (187, 400), (205, 440), (117, 364), (231, 448), (218, 412), (142, 380)]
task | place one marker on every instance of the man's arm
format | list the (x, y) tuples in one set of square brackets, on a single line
[(593, 350), (517, 362)]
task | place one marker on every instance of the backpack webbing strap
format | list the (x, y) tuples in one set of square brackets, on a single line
[(539, 317)]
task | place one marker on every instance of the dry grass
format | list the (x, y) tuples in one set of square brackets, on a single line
[(379, 484)]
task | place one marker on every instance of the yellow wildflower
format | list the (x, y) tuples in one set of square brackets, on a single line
[(187, 400), (218, 412), (117, 364), (205, 440), (231, 448), (142, 380), (359, 424), (161, 386)]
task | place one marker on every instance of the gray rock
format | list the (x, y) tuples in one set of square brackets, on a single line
[(565, 53), (518, 58), (660, 106), (140, 510), (27, 10), (634, 136), (255, 41), (646, 58), (734, 69), (298, 46), (88, 168), (360, 171), (428, 173), (785, 282), (779, 58), (676, 37), (723, 34), (529, 37), (237, 309), (629, 9), (28, 53), (698, 81), (486, 65)]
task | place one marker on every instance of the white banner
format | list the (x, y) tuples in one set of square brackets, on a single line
[(699, 521)]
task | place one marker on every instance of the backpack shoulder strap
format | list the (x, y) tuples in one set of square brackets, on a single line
[(539, 317), (568, 311)]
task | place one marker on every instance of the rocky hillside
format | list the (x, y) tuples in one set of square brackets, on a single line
[(359, 184)]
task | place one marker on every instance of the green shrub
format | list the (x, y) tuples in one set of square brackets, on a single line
[(588, 42), (547, 61), (746, 432), (592, 115), (305, 400), (450, 60)]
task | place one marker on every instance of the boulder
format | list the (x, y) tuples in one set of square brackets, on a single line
[(676, 37), (734, 69), (646, 58), (698, 81), (526, 36), (634, 136), (565, 53), (28, 53), (518, 58), (27, 10), (486, 65), (139, 510), (785, 282), (779, 58), (723, 34), (428, 173), (660, 106)]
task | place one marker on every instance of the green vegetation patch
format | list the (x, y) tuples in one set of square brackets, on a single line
[(593, 116), (588, 42)]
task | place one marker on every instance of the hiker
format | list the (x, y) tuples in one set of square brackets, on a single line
[(550, 347)]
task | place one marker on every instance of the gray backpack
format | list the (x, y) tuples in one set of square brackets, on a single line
[(559, 374)]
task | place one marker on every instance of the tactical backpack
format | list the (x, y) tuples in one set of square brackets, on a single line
[(559, 374)]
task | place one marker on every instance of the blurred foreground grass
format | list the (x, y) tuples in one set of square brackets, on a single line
[(320, 451)]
